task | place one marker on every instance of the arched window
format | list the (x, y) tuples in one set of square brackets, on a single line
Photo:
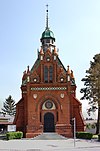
[(50, 74), (46, 74)]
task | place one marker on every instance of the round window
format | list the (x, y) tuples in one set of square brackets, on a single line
[(35, 79), (48, 104), (61, 79)]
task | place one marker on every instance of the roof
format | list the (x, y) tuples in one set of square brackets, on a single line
[(47, 34), (61, 64), (36, 64)]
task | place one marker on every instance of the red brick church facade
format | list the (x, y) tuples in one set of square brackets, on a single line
[(48, 101)]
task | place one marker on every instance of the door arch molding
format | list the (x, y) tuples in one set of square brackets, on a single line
[(44, 98)]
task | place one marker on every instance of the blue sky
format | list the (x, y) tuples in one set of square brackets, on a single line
[(76, 26)]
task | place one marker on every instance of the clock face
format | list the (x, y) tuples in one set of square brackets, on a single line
[(48, 104)]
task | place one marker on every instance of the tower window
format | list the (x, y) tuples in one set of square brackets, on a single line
[(48, 41), (46, 74), (51, 73), (42, 42)]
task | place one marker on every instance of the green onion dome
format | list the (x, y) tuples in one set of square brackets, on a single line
[(48, 34)]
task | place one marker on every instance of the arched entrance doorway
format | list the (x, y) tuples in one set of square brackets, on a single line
[(49, 125)]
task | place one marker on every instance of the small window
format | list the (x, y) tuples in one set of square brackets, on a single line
[(62, 79), (48, 41), (42, 42), (48, 58), (35, 79)]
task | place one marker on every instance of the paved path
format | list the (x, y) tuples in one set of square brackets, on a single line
[(50, 136), (49, 145)]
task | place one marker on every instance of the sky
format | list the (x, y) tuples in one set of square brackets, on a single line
[(76, 26)]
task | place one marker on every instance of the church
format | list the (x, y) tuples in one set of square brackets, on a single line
[(48, 102)]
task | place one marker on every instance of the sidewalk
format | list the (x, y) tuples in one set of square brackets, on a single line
[(49, 145)]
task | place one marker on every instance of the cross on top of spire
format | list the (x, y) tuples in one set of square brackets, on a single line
[(47, 17)]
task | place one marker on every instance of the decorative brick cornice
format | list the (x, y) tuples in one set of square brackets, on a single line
[(47, 88)]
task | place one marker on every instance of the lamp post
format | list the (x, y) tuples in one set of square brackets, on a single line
[(73, 119)]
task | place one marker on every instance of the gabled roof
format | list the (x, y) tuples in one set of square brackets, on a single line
[(36, 64), (61, 64)]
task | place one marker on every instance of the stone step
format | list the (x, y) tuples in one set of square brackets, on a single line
[(49, 136)]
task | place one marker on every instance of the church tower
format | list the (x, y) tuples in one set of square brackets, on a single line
[(48, 102)]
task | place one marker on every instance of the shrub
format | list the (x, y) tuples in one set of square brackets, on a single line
[(14, 135), (9, 136), (84, 135), (98, 137), (19, 135), (95, 136)]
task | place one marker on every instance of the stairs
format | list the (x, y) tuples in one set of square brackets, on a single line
[(49, 136)]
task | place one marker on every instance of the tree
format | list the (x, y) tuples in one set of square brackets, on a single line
[(91, 91), (9, 106)]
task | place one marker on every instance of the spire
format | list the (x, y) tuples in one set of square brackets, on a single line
[(72, 75), (47, 17), (41, 51), (47, 34), (28, 69), (68, 71), (55, 51)]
